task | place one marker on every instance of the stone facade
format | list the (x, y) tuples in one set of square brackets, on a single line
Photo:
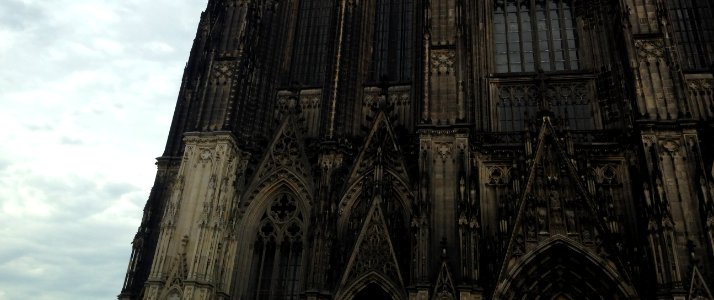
[(437, 149)]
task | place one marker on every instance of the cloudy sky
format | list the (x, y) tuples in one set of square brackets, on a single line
[(87, 90)]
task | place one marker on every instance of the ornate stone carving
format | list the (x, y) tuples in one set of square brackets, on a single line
[(442, 61), (443, 150), (518, 103), (700, 85), (650, 50), (309, 102), (399, 98), (670, 145), (206, 155), (283, 208), (444, 288), (648, 140), (374, 252), (608, 174), (498, 175), (282, 103), (223, 71)]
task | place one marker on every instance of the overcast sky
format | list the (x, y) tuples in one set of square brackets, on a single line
[(87, 90)]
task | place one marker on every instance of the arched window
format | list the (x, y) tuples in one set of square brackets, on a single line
[(277, 256), (532, 35)]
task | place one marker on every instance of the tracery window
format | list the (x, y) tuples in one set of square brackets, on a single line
[(571, 104), (693, 30), (393, 38), (278, 252), (532, 35), (516, 105)]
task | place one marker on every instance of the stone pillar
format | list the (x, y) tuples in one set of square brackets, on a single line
[(196, 240)]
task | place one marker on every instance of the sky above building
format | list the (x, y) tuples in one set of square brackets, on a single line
[(87, 91)]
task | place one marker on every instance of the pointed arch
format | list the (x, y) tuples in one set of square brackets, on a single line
[(285, 162), (373, 258), (273, 229), (259, 194), (560, 267), (562, 296), (396, 206), (349, 292), (380, 151)]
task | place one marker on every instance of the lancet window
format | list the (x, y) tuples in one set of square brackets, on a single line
[(278, 252), (693, 30), (312, 44), (532, 35)]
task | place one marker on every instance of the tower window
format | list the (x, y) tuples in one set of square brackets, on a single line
[(312, 44), (532, 35), (693, 30), (393, 41)]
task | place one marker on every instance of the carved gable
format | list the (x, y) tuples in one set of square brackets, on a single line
[(554, 203), (285, 160), (698, 289), (285, 152), (444, 288), (381, 145), (373, 252)]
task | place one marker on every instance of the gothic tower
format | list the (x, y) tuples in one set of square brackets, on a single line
[(437, 149)]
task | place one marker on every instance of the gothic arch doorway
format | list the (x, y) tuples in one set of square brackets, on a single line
[(371, 286), (562, 271), (561, 297), (372, 292)]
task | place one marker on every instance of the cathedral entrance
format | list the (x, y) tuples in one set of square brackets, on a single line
[(560, 271), (372, 292)]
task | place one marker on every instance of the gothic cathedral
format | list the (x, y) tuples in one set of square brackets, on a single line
[(437, 149)]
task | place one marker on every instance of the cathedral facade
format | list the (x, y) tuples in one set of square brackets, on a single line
[(437, 149)]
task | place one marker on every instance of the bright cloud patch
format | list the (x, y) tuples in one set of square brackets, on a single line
[(87, 89)]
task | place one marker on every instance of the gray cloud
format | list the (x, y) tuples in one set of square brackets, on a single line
[(88, 87), (39, 127), (19, 15), (70, 251), (70, 141)]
